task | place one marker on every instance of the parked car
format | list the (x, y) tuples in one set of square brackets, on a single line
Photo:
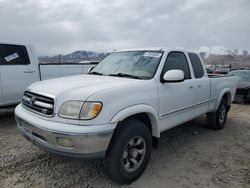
[(210, 70), (243, 85), (19, 68), (221, 71), (119, 110), (217, 71)]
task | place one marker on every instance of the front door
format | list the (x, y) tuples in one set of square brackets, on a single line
[(176, 100)]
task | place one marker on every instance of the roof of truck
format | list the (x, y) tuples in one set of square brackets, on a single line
[(15, 43), (157, 49)]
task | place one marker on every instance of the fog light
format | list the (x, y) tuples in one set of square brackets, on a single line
[(65, 142)]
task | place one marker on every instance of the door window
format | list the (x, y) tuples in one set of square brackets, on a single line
[(177, 60), (13, 55), (197, 65)]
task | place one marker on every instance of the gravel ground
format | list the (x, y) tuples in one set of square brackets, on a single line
[(188, 156)]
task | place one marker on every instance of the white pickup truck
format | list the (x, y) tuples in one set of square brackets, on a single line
[(19, 68), (119, 110)]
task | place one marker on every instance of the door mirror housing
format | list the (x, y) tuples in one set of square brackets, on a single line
[(173, 76)]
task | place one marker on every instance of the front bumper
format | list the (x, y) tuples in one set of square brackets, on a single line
[(83, 145)]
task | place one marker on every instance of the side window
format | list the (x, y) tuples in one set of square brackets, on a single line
[(197, 65), (177, 60), (13, 55)]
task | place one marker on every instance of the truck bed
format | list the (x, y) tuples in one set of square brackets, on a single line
[(218, 75), (218, 83)]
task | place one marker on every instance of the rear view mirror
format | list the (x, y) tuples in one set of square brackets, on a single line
[(173, 76)]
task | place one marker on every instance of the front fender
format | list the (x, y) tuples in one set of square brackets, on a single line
[(136, 109)]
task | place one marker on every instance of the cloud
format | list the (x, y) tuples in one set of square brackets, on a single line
[(63, 26)]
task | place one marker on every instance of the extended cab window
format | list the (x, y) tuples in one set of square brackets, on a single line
[(13, 55), (197, 65), (177, 60)]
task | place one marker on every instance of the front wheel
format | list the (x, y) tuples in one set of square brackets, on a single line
[(216, 120), (129, 151)]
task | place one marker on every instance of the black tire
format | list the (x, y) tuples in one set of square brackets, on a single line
[(216, 120), (120, 143)]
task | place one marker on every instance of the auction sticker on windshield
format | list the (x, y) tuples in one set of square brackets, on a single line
[(152, 54)]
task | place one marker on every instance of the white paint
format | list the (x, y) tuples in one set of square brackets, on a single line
[(15, 79), (167, 104)]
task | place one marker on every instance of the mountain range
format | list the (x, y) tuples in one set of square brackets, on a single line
[(221, 50), (76, 56)]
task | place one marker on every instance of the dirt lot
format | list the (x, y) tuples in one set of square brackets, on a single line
[(188, 156)]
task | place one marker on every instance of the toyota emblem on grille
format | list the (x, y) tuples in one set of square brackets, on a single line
[(32, 100)]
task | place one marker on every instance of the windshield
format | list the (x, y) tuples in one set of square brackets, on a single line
[(243, 76), (133, 64)]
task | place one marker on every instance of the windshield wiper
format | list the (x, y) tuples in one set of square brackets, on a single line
[(125, 75), (96, 73)]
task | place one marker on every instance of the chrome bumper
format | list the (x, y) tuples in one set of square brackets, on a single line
[(83, 145)]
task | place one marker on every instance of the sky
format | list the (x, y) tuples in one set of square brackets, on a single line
[(63, 26)]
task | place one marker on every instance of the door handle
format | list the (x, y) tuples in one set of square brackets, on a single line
[(29, 71), (199, 85), (191, 87)]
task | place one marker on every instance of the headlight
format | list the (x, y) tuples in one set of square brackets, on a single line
[(71, 109), (80, 110)]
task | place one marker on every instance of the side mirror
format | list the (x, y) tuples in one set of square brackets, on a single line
[(90, 69), (173, 76)]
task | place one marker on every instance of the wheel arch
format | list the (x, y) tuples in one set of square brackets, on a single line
[(139, 112), (224, 94)]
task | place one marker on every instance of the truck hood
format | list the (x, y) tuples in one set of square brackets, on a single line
[(80, 86)]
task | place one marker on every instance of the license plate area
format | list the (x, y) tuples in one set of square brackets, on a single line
[(28, 138), (30, 135), (26, 133)]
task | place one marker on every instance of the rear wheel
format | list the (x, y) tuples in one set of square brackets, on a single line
[(129, 151), (216, 120)]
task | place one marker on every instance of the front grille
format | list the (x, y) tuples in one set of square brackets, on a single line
[(38, 103)]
